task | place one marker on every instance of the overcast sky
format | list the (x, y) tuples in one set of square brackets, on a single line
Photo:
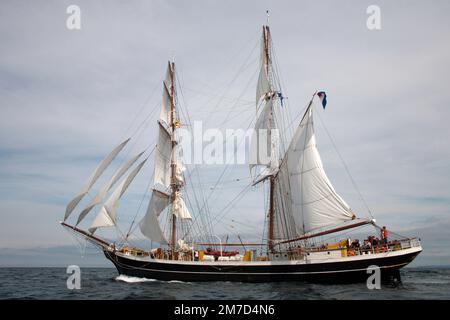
[(68, 97)]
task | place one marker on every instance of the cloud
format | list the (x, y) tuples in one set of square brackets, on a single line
[(68, 97)]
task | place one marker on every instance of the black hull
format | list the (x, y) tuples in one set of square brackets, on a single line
[(330, 272)]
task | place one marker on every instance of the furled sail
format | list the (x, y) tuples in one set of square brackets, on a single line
[(184, 246), (302, 187), (95, 175), (149, 225), (179, 207), (107, 216), (179, 174), (168, 81), (102, 193)]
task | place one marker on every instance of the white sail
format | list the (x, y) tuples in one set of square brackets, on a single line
[(99, 197), (264, 142), (164, 115), (303, 188), (164, 158), (149, 225), (103, 219), (95, 175), (180, 209), (163, 155), (107, 216), (263, 86)]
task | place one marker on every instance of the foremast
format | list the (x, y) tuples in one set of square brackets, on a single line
[(173, 183), (176, 182), (168, 174)]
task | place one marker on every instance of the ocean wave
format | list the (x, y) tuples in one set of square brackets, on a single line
[(176, 281), (129, 279)]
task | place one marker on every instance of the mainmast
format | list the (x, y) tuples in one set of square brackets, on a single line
[(265, 121), (271, 213), (267, 61)]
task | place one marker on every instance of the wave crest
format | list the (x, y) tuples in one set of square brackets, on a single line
[(130, 279)]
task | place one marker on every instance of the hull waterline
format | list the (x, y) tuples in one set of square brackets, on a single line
[(328, 272)]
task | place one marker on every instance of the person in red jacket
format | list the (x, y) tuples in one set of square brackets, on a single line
[(384, 235)]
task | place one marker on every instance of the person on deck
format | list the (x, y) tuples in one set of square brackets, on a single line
[(384, 235), (375, 242), (355, 244), (367, 246)]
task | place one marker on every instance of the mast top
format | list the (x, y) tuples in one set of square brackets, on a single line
[(267, 13)]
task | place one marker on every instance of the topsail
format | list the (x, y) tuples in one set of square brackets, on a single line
[(264, 86), (264, 142), (163, 155)]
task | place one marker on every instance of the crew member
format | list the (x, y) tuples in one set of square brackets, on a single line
[(384, 235)]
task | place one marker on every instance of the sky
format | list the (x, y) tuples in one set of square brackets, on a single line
[(69, 96)]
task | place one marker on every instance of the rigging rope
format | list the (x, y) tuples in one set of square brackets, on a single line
[(141, 109), (345, 166), (206, 222)]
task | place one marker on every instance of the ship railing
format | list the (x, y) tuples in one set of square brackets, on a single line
[(395, 245), (410, 243)]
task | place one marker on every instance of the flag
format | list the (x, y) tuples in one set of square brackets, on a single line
[(280, 95), (323, 98)]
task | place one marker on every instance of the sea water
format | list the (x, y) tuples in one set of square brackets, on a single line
[(105, 283)]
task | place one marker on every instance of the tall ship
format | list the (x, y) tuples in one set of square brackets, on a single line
[(303, 211)]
